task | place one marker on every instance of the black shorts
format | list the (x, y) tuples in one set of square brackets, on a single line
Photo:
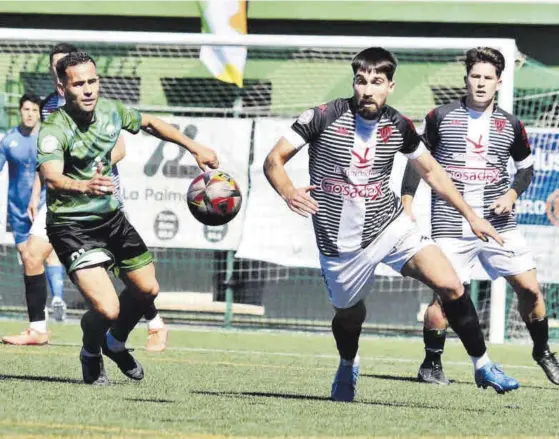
[(111, 242)]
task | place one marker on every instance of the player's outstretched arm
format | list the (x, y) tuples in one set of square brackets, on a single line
[(55, 180), (204, 156), (298, 199), (436, 177)]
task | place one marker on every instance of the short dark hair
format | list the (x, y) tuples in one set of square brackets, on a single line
[(61, 48), (485, 54), (71, 60), (375, 58), (31, 98)]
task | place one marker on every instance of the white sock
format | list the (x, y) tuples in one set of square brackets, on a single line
[(113, 344), (354, 362), (156, 323), (39, 326), (479, 362), (89, 354)]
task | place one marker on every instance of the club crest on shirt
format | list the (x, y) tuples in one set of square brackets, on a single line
[(306, 117), (385, 133), (111, 130), (12, 144), (500, 125)]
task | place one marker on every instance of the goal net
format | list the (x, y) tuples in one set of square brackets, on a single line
[(258, 270)]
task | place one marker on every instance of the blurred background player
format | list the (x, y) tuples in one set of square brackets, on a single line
[(85, 225), (19, 149), (473, 139), (157, 330), (359, 222)]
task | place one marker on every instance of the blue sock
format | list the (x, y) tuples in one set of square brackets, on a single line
[(55, 276)]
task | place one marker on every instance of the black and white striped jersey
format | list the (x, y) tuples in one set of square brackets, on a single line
[(474, 148), (350, 161)]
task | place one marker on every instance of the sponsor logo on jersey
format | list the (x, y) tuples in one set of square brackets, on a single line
[(354, 172), (351, 191), (470, 175), (111, 130), (363, 161), (342, 131), (477, 147)]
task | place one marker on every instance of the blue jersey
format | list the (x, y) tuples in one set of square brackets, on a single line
[(21, 154)]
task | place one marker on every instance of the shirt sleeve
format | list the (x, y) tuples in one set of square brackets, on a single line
[(520, 149), (309, 124), (411, 145), (50, 145), (294, 138), (429, 131), (131, 118)]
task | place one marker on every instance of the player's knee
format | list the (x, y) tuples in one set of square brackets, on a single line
[(531, 293), (450, 289), (352, 316), (32, 262), (109, 310)]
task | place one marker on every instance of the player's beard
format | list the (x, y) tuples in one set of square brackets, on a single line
[(370, 112)]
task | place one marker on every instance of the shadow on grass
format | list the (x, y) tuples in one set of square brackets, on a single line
[(40, 378), (325, 398), (157, 401), (452, 382)]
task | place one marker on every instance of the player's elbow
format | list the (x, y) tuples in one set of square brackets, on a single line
[(271, 162)]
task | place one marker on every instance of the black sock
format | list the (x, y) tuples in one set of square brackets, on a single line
[(462, 317), (539, 331), (94, 327), (150, 312), (347, 337), (434, 344), (133, 305), (36, 296)]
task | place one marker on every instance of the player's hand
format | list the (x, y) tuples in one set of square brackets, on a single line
[(407, 202), (206, 158), (484, 230), (100, 184), (300, 202), (33, 207), (503, 205)]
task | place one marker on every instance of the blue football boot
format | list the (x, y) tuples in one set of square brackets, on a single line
[(491, 375)]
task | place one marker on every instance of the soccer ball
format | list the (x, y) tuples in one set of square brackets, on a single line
[(214, 198)]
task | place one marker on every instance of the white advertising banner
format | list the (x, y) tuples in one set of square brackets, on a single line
[(155, 176), (272, 232)]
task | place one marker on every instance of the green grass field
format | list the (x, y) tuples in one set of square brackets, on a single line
[(215, 383)]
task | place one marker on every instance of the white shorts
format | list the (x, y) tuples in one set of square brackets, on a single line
[(350, 276), (39, 227), (513, 258)]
